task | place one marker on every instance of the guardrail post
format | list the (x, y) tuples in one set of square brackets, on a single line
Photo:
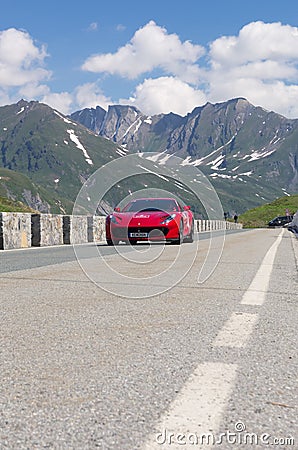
[(66, 230), (90, 229), (1, 233), (35, 230)]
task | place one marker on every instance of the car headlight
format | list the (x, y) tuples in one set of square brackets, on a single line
[(168, 219)]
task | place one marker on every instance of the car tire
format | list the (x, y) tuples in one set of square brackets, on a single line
[(180, 238), (114, 242), (190, 237)]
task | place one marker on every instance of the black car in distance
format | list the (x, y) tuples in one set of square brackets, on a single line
[(280, 221)]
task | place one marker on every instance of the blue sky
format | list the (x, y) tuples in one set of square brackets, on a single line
[(160, 56)]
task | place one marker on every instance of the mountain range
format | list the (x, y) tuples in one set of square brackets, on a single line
[(249, 154)]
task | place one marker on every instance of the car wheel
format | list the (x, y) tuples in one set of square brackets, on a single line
[(180, 238), (114, 242), (190, 237)]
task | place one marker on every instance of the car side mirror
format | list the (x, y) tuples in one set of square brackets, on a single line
[(117, 209), (186, 208)]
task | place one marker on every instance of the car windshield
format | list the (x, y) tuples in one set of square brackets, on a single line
[(155, 204)]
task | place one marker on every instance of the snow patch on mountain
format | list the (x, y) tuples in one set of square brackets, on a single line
[(215, 164), (121, 151), (64, 118), (137, 123), (154, 173), (198, 162), (220, 175), (75, 139), (148, 120), (258, 155)]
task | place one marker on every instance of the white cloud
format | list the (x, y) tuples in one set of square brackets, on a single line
[(84, 96), (93, 26), (120, 27), (257, 41), (90, 96), (4, 98), (33, 90), (165, 95), (20, 59), (150, 48), (259, 64), (61, 101), (274, 96)]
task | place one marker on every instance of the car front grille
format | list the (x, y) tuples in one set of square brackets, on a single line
[(125, 232), (154, 231)]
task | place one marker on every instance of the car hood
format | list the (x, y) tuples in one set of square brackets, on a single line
[(141, 218)]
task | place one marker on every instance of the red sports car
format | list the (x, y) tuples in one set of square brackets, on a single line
[(150, 219)]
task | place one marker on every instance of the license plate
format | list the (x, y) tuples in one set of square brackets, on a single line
[(136, 235)]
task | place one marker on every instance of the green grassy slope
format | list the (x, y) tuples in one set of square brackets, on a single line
[(7, 205), (48, 151), (19, 187), (260, 216)]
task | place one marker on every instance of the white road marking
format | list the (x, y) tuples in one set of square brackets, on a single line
[(198, 408), (256, 293), (236, 331)]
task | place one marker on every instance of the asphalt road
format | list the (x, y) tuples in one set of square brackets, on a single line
[(11, 260), (82, 368)]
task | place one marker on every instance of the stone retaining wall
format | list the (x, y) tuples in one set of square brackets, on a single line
[(20, 230), (15, 230), (99, 230), (46, 229), (78, 229), (214, 225)]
